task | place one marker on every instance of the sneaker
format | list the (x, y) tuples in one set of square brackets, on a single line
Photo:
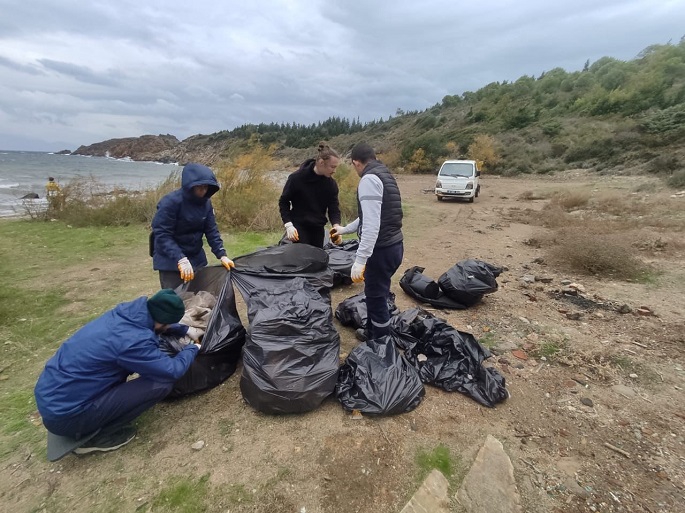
[(360, 334), (109, 441)]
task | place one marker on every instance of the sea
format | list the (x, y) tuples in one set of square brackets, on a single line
[(27, 172)]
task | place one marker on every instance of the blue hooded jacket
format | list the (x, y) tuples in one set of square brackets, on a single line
[(182, 219), (102, 355)]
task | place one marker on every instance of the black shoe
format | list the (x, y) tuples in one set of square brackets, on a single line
[(360, 334), (109, 441)]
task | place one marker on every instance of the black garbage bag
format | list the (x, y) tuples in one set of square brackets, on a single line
[(291, 357), (340, 260), (449, 358), (377, 379), (352, 311), (223, 339), (289, 261), (469, 280), (422, 288)]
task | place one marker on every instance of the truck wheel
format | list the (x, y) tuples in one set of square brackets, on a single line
[(439, 198), (471, 199), (477, 191)]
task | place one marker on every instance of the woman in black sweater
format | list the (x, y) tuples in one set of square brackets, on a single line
[(310, 195)]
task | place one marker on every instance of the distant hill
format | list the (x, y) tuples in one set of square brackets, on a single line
[(613, 116)]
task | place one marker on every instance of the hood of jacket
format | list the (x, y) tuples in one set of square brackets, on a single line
[(196, 174)]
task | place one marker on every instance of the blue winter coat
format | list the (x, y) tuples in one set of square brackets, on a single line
[(182, 219), (102, 355)]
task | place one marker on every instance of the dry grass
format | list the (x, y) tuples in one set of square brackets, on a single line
[(571, 200), (607, 255)]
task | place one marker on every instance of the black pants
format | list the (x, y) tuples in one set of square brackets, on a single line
[(380, 267), (312, 235), (170, 279)]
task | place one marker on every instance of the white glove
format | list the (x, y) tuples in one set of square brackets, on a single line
[(227, 263), (195, 333), (198, 346), (185, 269), (357, 273), (291, 232)]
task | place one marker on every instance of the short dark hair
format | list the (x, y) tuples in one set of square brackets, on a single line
[(363, 152)]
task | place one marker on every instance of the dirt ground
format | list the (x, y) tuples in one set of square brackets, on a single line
[(598, 426)]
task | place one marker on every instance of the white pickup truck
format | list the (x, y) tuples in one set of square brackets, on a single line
[(458, 179)]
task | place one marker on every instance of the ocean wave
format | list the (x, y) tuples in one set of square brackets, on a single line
[(8, 185)]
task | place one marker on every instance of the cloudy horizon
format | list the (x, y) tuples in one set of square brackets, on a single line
[(80, 73)]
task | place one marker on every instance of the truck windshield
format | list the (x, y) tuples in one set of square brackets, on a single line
[(464, 169)]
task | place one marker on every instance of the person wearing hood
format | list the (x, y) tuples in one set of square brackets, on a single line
[(85, 391), (309, 194), (183, 217)]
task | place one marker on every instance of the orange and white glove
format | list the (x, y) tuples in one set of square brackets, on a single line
[(227, 263), (185, 269), (291, 232), (336, 237), (357, 273)]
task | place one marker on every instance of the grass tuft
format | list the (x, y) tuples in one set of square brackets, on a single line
[(183, 496), (438, 458)]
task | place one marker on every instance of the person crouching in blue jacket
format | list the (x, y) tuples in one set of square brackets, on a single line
[(85, 386), (183, 217)]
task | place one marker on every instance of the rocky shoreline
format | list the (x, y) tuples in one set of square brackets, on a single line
[(166, 149)]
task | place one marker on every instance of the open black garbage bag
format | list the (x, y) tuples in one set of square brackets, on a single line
[(289, 261), (448, 358), (223, 339), (376, 379), (291, 357), (469, 280), (420, 287), (352, 311), (340, 260)]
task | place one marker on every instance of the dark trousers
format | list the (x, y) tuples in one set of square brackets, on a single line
[(170, 279), (380, 267), (312, 235), (117, 407)]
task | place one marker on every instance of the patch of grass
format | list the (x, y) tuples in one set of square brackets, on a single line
[(15, 428), (547, 349), (226, 427), (620, 205), (438, 458), (183, 495), (629, 366), (606, 255), (532, 195), (488, 340), (236, 494), (571, 200), (677, 179)]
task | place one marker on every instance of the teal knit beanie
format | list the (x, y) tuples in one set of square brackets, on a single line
[(166, 307)]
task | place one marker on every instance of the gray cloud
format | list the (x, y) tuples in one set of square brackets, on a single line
[(84, 72)]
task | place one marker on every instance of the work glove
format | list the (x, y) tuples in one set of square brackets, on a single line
[(195, 333), (357, 273), (185, 269), (336, 238), (291, 232), (227, 263)]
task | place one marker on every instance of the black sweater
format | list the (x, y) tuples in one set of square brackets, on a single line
[(307, 197)]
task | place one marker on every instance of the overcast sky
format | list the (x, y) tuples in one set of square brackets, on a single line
[(82, 72)]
